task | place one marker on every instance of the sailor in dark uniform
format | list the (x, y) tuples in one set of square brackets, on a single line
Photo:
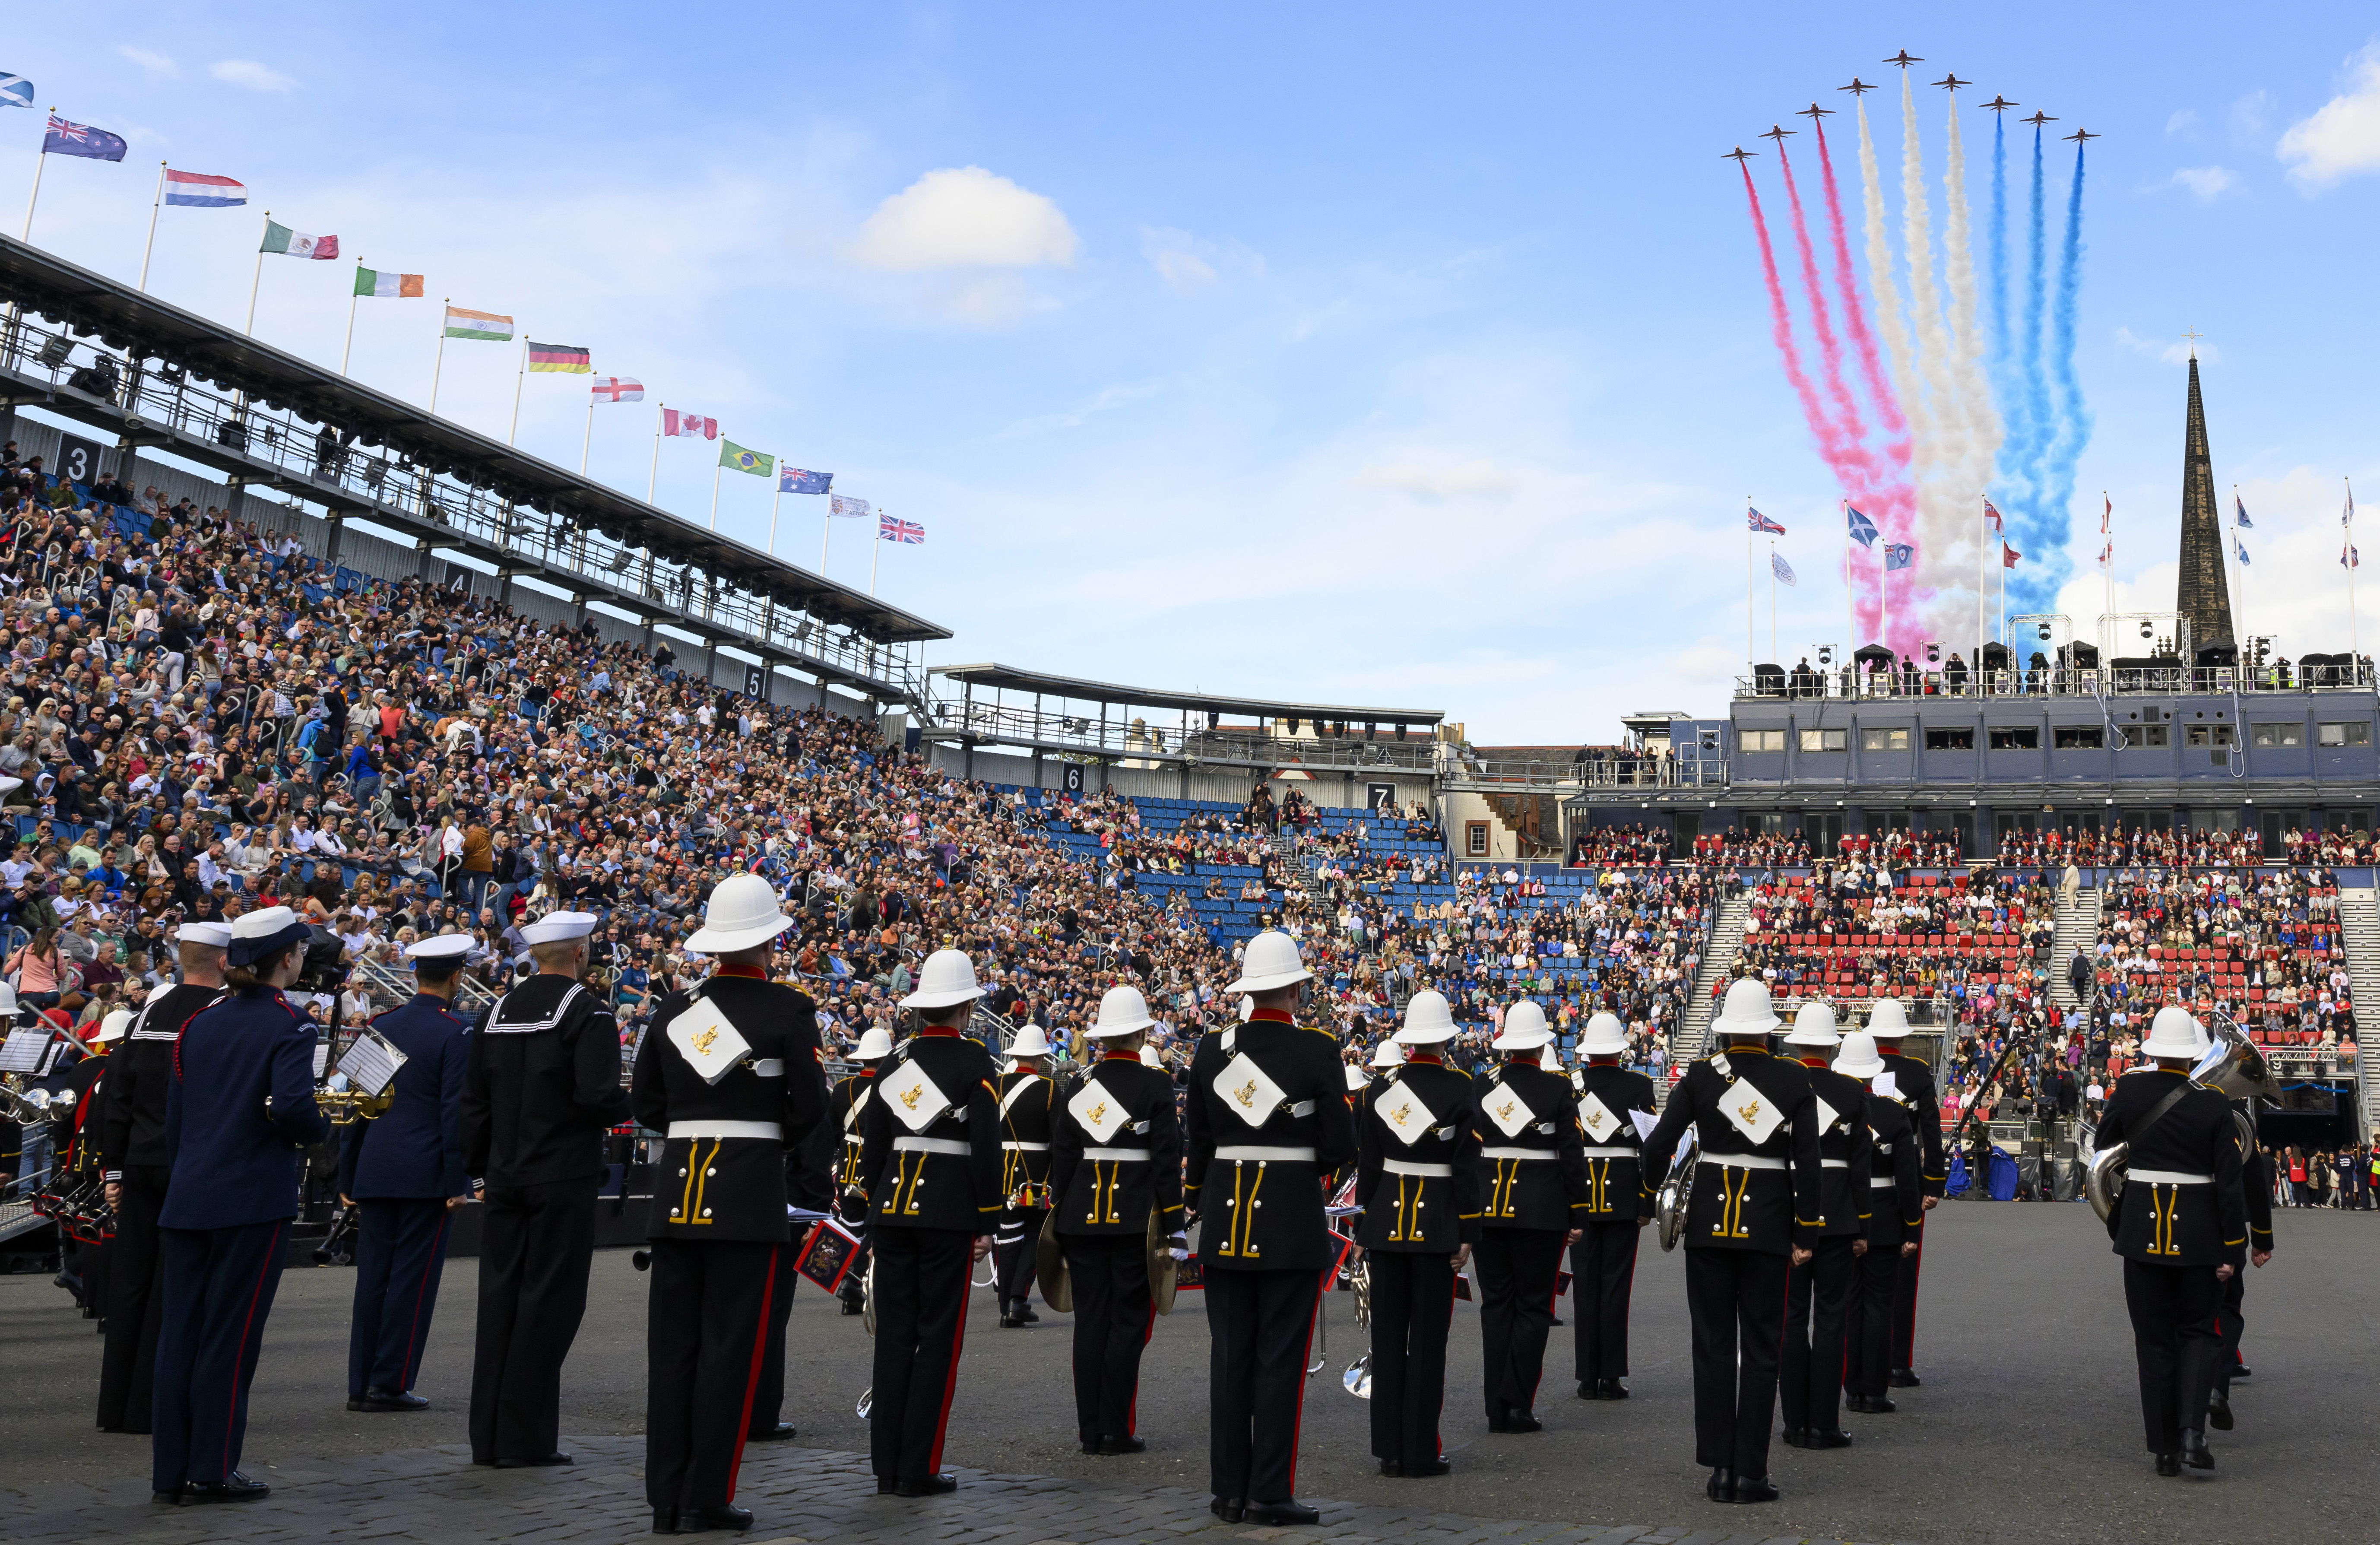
[(403, 1173), (132, 1142), (1417, 1180), (1754, 1214), (1818, 1295), (929, 1168), (542, 1088), (2256, 1197), (846, 1104), (1115, 1161), (1267, 1120), (2181, 1227), (1895, 1203), (240, 1110), (1615, 1109), (1533, 1202), (1888, 1022), (812, 1169), (1028, 1096), (731, 1075)]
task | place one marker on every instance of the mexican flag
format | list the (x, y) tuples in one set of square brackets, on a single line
[(297, 244), (387, 286)]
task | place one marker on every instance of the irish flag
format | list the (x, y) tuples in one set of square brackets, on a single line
[(297, 244), (485, 325), (387, 286)]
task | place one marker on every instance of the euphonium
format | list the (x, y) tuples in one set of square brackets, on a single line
[(1677, 1192)]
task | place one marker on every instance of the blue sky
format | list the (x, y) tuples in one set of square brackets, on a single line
[(1378, 354)]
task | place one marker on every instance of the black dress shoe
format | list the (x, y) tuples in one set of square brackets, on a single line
[(2168, 1465), (1829, 1437), (171, 1499), (2196, 1455), (850, 1307), (1291, 1511), (1393, 1468), (543, 1461), (776, 1432), (1125, 1444), (1613, 1389), (1872, 1404), (390, 1400), (1231, 1510), (1905, 1379), (2241, 1370), (1090, 1445), (1024, 1312), (1421, 1470), (233, 1488), (1720, 1487), (1755, 1488), (1590, 1389), (925, 1486), (885, 1485), (1521, 1421), (1797, 1436), (1009, 1321), (665, 1520), (697, 1520), (2218, 1413)]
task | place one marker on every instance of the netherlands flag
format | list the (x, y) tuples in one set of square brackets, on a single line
[(197, 190)]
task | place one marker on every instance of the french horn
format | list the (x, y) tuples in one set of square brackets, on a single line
[(1670, 1203)]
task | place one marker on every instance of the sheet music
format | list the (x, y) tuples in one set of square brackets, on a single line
[(1646, 1121), (372, 1062), (321, 1058), (22, 1053)]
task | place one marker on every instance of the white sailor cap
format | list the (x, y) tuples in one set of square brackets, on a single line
[(216, 934), (557, 928), (443, 946)]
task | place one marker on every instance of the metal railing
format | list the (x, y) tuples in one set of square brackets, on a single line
[(2162, 678), (1064, 733)]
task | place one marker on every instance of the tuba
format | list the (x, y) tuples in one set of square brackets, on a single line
[(2231, 1066), (1670, 1203)]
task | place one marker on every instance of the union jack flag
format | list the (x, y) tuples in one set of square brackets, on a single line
[(1760, 522), (890, 529)]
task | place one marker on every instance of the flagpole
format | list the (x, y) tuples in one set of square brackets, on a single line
[(1750, 649), (1851, 604), (2354, 658), (653, 477), (1772, 596), (254, 280), (826, 535), (2240, 585), (40, 158), (774, 499), (588, 444), (1883, 613), (512, 435), (1983, 595), (714, 495), (154, 205), (2106, 568), (444, 304), (354, 295), (877, 553)]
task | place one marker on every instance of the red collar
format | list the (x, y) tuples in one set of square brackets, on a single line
[(737, 968), (950, 1031), (1813, 1062), (1119, 1056), (1612, 1060), (1430, 1058), (1278, 1017)]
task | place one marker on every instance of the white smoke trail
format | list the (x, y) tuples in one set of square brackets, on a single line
[(1888, 304), (1983, 422), (1945, 518)]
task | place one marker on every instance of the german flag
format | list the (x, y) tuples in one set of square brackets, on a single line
[(561, 359)]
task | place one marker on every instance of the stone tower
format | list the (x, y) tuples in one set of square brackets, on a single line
[(2202, 595)]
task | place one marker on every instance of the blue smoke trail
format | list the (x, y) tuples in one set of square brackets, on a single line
[(2013, 485), (2062, 452), (2031, 425)]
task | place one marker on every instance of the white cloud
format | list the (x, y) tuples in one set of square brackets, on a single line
[(1187, 262), (1471, 479), (250, 75), (2251, 115), (2206, 183), (2184, 118), (966, 217), (155, 64), (2174, 353), (991, 300), (2342, 137)]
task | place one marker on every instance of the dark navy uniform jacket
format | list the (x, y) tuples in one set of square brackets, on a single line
[(2182, 1203), (1767, 1198), (1110, 1185), (1419, 1189), (239, 1112), (415, 1149), (140, 1071)]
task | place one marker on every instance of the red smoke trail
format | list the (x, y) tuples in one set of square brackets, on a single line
[(1830, 353), (1888, 405)]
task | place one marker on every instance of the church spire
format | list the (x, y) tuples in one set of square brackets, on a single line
[(2203, 594)]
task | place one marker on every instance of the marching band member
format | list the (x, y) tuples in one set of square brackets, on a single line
[(1027, 1098), (935, 1118), (2182, 1227), (240, 1110), (1896, 1209), (1753, 1214), (731, 1075), (1818, 1294), (2256, 1197), (1533, 1179), (844, 1105), (1268, 1120), (542, 1090), (1115, 1159), (403, 1173), (1418, 1184), (1888, 1022), (1603, 1262), (132, 1141)]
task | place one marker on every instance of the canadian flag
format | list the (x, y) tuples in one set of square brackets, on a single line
[(675, 422)]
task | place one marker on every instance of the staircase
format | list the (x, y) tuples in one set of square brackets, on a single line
[(2359, 928), (1718, 958), (2078, 928)]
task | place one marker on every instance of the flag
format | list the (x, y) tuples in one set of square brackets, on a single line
[(1760, 522), (2106, 514), (1863, 529), (2349, 558), (15, 91), (2008, 556), (94, 144), (297, 244), (619, 388), (794, 480), (1900, 554), (559, 358), (2242, 549), (2347, 515), (691, 425), (911, 534), (388, 286), (842, 506), (484, 325), (1992, 515), (197, 190), (737, 458), (2239, 514), (2107, 553), (1776, 566)]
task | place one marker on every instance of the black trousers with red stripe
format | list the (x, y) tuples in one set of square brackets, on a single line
[(2176, 1335), (1876, 1276), (1517, 1270), (1261, 1323), (1735, 1301), (768, 1399), (218, 1293), (1817, 1334), (1413, 1309), (400, 1255), (1112, 1319), (136, 1302), (1603, 1275), (921, 1301), (1904, 1303), (706, 1338), (2227, 1358)]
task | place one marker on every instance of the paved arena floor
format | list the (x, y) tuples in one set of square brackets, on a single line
[(2026, 1430)]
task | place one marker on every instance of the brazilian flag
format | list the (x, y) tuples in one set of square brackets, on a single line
[(734, 455)]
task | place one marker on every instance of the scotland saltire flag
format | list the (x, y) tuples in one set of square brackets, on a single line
[(1779, 567), (2239, 514), (2243, 548), (1863, 529), (794, 480), (1760, 522), (1900, 554), (15, 91), (95, 145)]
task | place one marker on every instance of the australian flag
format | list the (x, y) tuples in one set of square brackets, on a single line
[(1900, 554), (96, 144), (793, 479), (1862, 529)]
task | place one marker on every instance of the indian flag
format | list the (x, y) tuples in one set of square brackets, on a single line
[(388, 286), (461, 323)]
